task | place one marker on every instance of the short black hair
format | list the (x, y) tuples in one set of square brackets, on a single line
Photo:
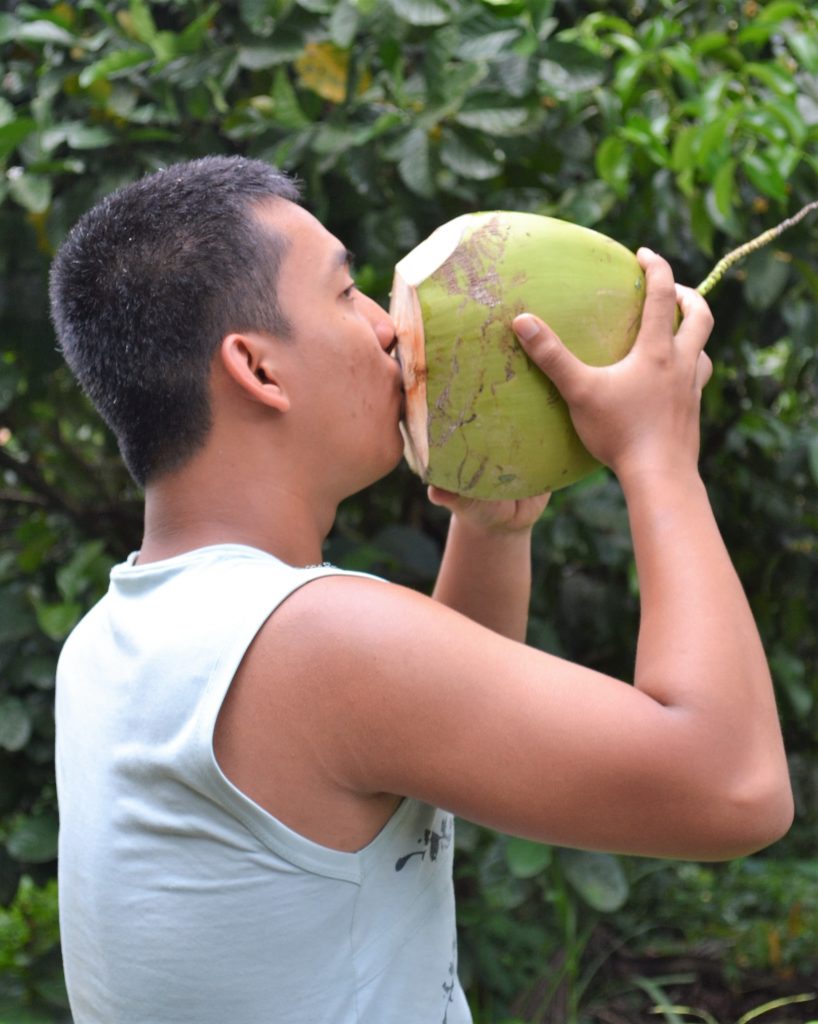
[(149, 281)]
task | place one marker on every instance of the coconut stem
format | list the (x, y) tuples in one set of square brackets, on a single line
[(724, 264)]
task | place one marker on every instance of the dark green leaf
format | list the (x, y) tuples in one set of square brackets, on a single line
[(421, 12), (414, 163), (16, 615), (526, 858), (499, 121), (489, 46), (109, 65), (15, 723), (57, 620), (613, 163), (11, 376), (765, 175), (466, 160), (569, 69), (13, 133), (597, 877), (33, 840)]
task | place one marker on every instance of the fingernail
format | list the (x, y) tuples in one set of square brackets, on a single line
[(645, 251), (526, 326)]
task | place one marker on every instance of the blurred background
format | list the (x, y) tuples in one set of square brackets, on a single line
[(685, 126)]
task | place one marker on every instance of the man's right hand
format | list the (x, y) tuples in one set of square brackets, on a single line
[(641, 414)]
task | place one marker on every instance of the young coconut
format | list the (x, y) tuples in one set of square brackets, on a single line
[(481, 420)]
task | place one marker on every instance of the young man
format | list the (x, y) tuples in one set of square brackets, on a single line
[(258, 755)]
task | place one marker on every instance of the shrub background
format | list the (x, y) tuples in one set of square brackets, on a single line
[(685, 127)]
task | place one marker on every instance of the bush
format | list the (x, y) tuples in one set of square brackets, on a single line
[(687, 128)]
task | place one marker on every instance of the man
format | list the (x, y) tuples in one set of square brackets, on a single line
[(258, 755)]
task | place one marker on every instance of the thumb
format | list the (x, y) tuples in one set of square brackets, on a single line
[(545, 349)]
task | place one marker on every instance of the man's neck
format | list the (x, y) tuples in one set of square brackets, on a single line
[(193, 508)]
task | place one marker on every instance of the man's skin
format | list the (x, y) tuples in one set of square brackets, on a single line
[(357, 693)]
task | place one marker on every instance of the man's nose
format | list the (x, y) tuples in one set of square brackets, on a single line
[(385, 331), (381, 322)]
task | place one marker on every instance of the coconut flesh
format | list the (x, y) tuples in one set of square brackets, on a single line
[(481, 419)]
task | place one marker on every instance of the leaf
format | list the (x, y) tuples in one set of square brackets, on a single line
[(287, 110), (526, 858), (569, 69), (13, 133), (16, 615), (57, 620), (789, 673), (499, 121), (323, 68), (804, 46), (87, 568), (724, 187), (414, 164), (767, 276), (33, 840), (343, 25), (466, 160), (31, 191), (812, 457), (144, 27), (488, 46), (256, 58), (420, 12), (772, 75), (87, 136), (598, 878), (765, 175), (108, 66), (44, 32), (15, 723), (10, 379), (613, 164)]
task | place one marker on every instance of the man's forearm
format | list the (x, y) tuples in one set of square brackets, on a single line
[(487, 575), (699, 649)]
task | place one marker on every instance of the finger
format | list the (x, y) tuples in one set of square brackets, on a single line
[(697, 319), (704, 370), (546, 350), (448, 499), (660, 299)]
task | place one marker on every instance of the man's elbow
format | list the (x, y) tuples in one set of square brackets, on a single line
[(757, 814)]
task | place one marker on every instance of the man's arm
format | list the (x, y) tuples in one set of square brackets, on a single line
[(486, 568), (369, 689)]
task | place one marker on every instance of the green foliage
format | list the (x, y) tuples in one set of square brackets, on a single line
[(32, 990), (686, 127), (763, 913)]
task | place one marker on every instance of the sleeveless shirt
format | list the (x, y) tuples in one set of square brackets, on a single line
[(181, 900)]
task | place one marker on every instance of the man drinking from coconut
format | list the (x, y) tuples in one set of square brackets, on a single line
[(259, 756)]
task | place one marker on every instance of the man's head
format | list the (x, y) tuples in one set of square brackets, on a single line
[(149, 282)]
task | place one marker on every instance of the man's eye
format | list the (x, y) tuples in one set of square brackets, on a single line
[(347, 292)]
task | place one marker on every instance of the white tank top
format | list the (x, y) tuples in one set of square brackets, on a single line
[(181, 900)]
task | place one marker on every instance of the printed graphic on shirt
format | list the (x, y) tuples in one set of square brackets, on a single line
[(448, 986), (431, 842)]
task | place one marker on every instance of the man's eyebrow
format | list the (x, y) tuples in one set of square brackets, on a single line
[(343, 258)]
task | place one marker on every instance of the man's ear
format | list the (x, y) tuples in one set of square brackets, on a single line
[(248, 359)]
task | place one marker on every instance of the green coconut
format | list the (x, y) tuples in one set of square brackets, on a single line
[(480, 419)]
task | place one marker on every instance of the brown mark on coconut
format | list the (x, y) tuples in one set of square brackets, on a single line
[(471, 270)]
